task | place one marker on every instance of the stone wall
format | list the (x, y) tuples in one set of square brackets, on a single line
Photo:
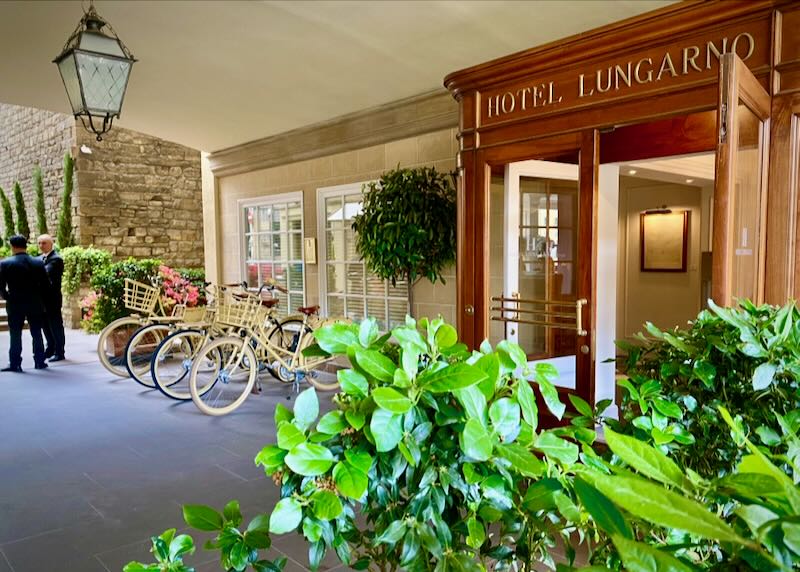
[(28, 137), (140, 196)]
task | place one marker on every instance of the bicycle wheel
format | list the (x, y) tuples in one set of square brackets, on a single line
[(324, 381), (220, 389), (112, 343), (285, 334), (172, 362), (140, 350)]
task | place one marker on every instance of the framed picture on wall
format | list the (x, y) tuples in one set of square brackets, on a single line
[(664, 240)]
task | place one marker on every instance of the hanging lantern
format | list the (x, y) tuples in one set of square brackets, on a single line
[(95, 67)]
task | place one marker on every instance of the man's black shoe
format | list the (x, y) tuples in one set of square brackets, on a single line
[(42, 365), (14, 369), (56, 358), (49, 352)]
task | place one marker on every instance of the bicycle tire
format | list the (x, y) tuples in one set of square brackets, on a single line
[(140, 349), (109, 340), (171, 364), (231, 351)]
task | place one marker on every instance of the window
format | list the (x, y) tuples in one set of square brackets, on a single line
[(272, 243), (347, 288)]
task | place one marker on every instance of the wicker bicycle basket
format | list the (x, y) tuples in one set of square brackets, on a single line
[(238, 310), (140, 297), (191, 315)]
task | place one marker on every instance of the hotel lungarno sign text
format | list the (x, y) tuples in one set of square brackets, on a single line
[(646, 71)]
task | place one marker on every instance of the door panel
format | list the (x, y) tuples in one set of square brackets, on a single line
[(740, 185)]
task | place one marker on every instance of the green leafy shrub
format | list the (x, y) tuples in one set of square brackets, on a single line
[(109, 283), (8, 215), (80, 264), (5, 250), (746, 359), (169, 551), (22, 215), (407, 227), (38, 189), (65, 236)]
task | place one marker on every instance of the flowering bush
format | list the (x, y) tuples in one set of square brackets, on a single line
[(176, 289), (88, 304)]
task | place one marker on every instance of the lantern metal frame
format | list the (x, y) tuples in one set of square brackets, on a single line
[(93, 23)]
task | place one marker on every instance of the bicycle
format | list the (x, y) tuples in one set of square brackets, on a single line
[(225, 370), (172, 360)]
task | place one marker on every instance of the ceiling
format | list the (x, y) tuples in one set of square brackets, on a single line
[(216, 74), (696, 170)]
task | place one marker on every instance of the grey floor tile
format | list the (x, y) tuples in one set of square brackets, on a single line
[(4, 565)]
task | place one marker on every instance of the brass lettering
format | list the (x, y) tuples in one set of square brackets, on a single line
[(600, 87), (521, 95), (626, 76), (689, 60), (751, 45), (712, 49), (581, 91), (552, 98), (494, 110), (649, 71), (503, 105), (666, 63)]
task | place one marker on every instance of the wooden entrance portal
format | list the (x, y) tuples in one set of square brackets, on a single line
[(693, 77)]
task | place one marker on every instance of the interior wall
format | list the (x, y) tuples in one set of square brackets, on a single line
[(667, 299), (436, 149)]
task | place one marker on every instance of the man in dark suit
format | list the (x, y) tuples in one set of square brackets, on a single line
[(23, 284), (54, 323)]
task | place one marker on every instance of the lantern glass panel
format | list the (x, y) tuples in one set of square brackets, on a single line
[(69, 74), (93, 42), (103, 80)]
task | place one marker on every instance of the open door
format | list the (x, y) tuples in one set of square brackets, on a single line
[(740, 185)]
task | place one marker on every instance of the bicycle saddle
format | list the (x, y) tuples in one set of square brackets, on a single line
[(269, 302), (308, 310)]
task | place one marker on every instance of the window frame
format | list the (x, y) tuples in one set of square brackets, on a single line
[(270, 200), (340, 191)]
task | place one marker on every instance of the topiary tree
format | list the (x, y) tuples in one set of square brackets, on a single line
[(38, 189), (22, 216), (407, 226), (65, 236), (8, 215)]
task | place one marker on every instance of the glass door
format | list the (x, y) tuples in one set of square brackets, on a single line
[(540, 306), (740, 185)]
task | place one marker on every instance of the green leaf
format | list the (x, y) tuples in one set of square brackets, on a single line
[(505, 414), (306, 408), (451, 378), (257, 539), (286, 516), (657, 505), (309, 459), (515, 352), (556, 448), (352, 383), (232, 513), (667, 408), (644, 458), (139, 567), (706, 372), (527, 402), (387, 429), (289, 436), (282, 413), (763, 376), (368, 332), (640, 557), (356, 419), (202, 517), (271, 458), (180, 545), (410, 340), (539, 495), (473, 401), (446, 336), (393, 534), (522, 460), (327, 505), (791, 536), (391, 400), (768, 436), (349, 480), (475, 441), (361, 460), (336, 338), (332, 423), (376, 364), (549, 392), (476, 533), (580, 405), (260, 523), (604, 512)]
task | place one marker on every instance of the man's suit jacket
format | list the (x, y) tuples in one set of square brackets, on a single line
[(54, 265), (23, 283)]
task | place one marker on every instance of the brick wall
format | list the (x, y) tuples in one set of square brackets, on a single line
[(140, 196), (29, 137)]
